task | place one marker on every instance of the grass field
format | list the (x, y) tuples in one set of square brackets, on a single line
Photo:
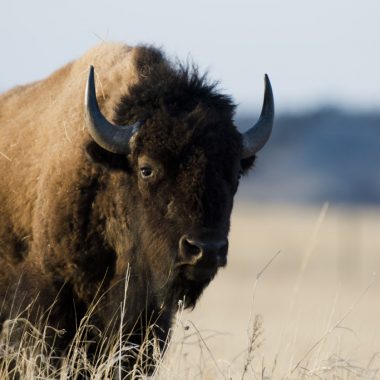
[(299, 299)]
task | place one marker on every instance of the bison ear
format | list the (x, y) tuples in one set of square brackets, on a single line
[(247, 163), (103, 157)]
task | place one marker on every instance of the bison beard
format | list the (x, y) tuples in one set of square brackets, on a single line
[(81, 210)]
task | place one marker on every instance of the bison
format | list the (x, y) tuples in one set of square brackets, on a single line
[(139, 179)]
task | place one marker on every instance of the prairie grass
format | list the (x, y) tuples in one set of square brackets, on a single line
[(298, 300)]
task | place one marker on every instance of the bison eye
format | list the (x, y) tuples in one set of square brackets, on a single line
[(146, 172)]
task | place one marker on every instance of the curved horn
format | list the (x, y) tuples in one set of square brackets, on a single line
[(256, 137), (114, 138)]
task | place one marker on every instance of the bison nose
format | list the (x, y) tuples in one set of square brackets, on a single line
[(213, 250)]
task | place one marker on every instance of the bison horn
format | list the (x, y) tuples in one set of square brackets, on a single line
[(257, 136), (114, 138)]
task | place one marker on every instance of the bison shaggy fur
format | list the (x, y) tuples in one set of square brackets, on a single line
[(76, 218)]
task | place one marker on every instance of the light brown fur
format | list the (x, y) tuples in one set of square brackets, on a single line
[(34, 116)]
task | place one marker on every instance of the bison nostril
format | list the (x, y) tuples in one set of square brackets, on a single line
[(189, 250), (192, 249), (210, 250)]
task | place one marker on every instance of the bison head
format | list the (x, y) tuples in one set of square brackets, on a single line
[(184, 158)]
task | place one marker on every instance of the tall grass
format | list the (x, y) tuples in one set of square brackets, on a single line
[(33, 359)]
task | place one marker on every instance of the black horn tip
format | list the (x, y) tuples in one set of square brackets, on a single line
[(268, 103), (90, 87), (91, 74), (268, 85)]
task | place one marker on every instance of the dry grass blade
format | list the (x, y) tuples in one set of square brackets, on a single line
[(334, 327), (254, 343)]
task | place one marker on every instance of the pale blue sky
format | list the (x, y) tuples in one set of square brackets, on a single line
[(316, 52)]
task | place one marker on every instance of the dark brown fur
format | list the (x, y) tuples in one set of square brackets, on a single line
[(74, 217)]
